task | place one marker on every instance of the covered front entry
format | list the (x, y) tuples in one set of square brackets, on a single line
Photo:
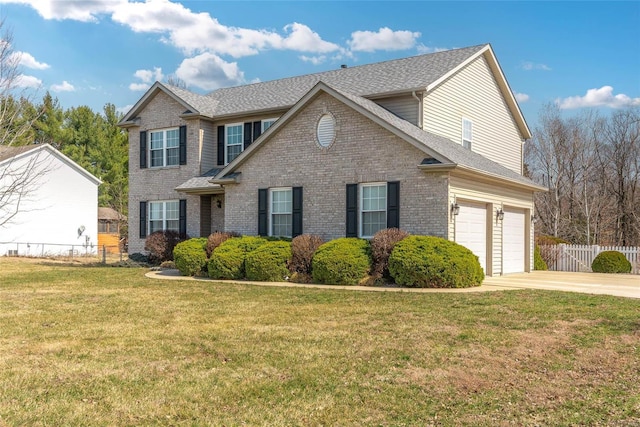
[(471, 229), (514, 242)]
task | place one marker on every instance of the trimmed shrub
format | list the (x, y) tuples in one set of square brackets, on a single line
[(545, 240), (344, 261), (382, 244), (433, 262), (190, 256), (160, 245), (268, 263), (139, 258), (611, 262), (538, 262), (302, 249), (215, 239), (227, 260)]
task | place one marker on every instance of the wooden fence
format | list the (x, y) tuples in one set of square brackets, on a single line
[(579, 257)]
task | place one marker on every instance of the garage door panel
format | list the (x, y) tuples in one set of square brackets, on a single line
[(513, 246), (471, 230)]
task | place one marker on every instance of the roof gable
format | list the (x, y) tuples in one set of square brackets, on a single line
[(501, 81), (18, 153), (193, 103)]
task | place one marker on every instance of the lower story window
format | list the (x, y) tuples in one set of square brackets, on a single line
[(373, 209), (164, 216), (281, 209)]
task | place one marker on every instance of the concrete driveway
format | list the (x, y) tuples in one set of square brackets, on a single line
[(622, 285)]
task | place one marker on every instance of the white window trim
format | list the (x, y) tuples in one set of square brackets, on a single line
[(164, 147), (226, 140), (361, 204), (164, 214), (270, 208), (463, 139), (263, 121)]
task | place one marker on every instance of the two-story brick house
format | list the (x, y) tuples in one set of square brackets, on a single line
[(431, 144)]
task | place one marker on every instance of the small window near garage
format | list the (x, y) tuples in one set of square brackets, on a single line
[(326, 131), (467, 133)]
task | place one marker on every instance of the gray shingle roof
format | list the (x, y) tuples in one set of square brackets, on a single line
[(200, 182), (398, 75), (7, 152)]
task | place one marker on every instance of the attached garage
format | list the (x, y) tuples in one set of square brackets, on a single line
[(471, 229), (513, 246)]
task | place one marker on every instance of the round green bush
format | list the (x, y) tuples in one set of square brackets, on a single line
[(538, 261), (433, 262), (227, 260), (190, 256), (344, 261), (611, 262), (268, 263)]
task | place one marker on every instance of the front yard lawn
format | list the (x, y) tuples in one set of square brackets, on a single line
[(106, 346)]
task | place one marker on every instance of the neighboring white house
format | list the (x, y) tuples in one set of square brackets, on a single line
[(48, 203)]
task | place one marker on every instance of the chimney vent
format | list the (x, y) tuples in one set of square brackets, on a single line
[(343, 66)]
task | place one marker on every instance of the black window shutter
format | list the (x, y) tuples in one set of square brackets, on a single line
[(352, 210), (183, 145), (220, 145), (296, 211), (143, 220), (263, 222), (248, 127), (143, 149), (257, 130), (182, 219), (393, 204)]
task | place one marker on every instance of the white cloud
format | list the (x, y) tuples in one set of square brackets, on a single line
[(27, 60), (521, 97), (602, 97), (383, 39), (27, 81), (65, 86), (315, 60), (85, 11), (208, 71), (147, 77), (302, 39), (528, 66)]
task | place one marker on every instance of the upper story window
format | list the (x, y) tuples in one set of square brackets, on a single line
[(467, 133), (266, 123), (373, 208), (234, 139), (164, 216), (164, 147)]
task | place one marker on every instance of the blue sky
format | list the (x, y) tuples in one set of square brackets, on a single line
[(576, 54)]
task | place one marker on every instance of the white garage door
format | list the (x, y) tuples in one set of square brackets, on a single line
[(513, 247), (471, 230)]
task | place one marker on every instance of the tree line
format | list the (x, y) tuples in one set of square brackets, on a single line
[(590, 165)]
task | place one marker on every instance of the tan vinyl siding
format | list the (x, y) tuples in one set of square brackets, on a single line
[(472, 93), (494, 197), (404, 106)]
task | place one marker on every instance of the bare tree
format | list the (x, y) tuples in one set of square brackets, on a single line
[(17, 116)]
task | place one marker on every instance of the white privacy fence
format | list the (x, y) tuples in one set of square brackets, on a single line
[(579, 257)]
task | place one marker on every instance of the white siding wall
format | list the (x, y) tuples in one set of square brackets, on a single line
[(494, 197), (61, 200), (472, 93), (404, 106)]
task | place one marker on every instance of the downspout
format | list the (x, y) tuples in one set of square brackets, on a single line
[(420, 112)]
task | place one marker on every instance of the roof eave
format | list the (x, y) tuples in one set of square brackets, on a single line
[(201, 190), (467, 170), (147, 97)]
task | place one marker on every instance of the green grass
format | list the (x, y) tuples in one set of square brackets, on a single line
[(106, 346)]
